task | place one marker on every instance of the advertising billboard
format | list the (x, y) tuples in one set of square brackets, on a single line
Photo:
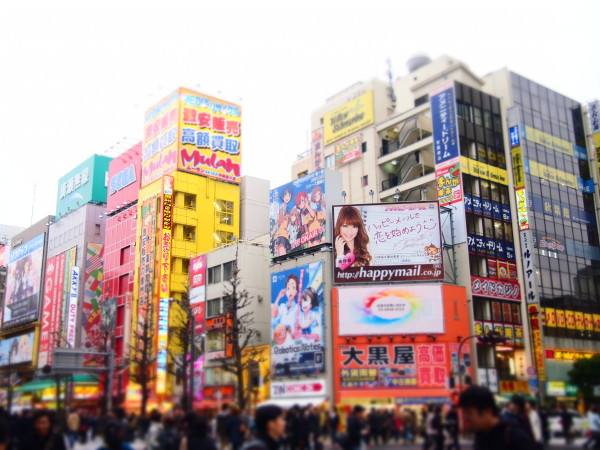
[(392, 366), (348, 149), (444, 123), (161, 357), (73, 306), (109, 315), (297, 329), (349, 118), (316, 150), (52, 307), (210, 137), (405, 309), (85, 183), (166, 236), (2, 255), (387, 242), (198, 291), (91, 313), (159, 148), (16, 349), (147, 250), (298, 214), (23, 279), (124, 177)]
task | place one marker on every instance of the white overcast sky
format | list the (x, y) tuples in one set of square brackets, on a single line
[(75, 79)]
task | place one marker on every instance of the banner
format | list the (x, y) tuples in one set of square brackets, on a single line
[(298, 215), (402, 309), (91, 314), (297, 329), (504, 290), (349, 118), (316, 387), (147, 251), (385, 242), (161, 357), (73, 306), (445, 125), (52, 305), (392, 366), (316, 150), (198, 291), (23, 279), (16, 350), (166, 238)]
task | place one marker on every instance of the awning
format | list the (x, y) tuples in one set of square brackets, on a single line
[(289, 402), (38, 385)]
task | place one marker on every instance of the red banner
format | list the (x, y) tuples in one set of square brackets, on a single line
[(504, 290), (53, 285)]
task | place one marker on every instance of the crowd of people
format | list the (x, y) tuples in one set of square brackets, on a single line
[(520, 426)]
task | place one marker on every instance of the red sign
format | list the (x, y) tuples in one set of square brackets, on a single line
[(505, 290), (392, 365), (198, 271), (53, 285)]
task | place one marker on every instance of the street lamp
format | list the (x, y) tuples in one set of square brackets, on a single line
[(397, 195), (489, 338)]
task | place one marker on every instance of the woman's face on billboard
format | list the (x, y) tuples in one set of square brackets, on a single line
[(348, 232)]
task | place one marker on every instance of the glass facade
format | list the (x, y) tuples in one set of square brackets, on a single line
[(561, 207)]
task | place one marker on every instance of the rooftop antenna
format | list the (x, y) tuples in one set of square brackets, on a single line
[(390, 89)]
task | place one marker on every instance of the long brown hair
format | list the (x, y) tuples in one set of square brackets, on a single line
[(349, 215)]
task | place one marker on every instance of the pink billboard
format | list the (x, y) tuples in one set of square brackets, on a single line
[(124, 175), (198, 291), (52, 306)]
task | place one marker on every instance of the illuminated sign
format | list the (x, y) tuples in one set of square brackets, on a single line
[(445, 125), (522, 209), (72, 308), (349, 118), (568, 355), (536, 334), (518, 169), (161, 357), (504, 290), (528, 267), (166, 237), (308, 388)]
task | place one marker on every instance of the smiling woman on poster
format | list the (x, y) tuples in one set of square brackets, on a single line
[(351, 239)]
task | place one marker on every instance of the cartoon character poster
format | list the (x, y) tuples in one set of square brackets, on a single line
[(387, 242), (298, 215), (297, 332)]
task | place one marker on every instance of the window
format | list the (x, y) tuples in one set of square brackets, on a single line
[(303, 173), (215, 340), (214, 275), (364, 180), (364, 147), (185, 266), (227, 270), (189, 233), (213, 307), (329, 161), (97, 229), (123, 284), (477, 116), (125, 255), (189, 201), (224, 212), (421, 100), (487, 119), (223, 237)]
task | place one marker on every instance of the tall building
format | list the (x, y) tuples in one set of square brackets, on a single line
[(124, 176), (189, 202), (442, 133), (554, 169)]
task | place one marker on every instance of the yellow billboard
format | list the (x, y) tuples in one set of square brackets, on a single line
[(349, 118), (483, 170), (518, 170), (210, 137), (551, 174), (547, 140)]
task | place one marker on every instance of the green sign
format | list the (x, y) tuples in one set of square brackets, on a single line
[(84, 184)]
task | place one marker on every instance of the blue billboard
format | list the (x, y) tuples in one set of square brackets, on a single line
[(445, 127)]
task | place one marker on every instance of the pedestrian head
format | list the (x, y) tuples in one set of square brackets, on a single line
[(195, 424), (269, 421), (113, 435), (479, 408), (517, 404), (155, 415), (42, 422), (358, 411)]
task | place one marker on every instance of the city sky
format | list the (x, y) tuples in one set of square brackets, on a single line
[(77, 77)]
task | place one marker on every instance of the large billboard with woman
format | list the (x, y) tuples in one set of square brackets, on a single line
[(23, 282), (297, 336), (387, 242)]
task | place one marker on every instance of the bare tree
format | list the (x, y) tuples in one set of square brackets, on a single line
[(142, 355), (179, 350), (240, 334)]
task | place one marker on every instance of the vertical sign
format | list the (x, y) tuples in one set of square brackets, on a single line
[(165, 248), (52, 282), (91, 311), (161, 358), (445, 127), (198, 291), (147, 250), (316, 149), (72, 309)]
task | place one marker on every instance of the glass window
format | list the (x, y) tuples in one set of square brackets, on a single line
[(516, 313), (215, 340), (494, 192), (224, 212), (189, 233), (185, 265), (477, 117), (213, 307), (227, 270), (485, 189), (481, 153), (223, 237), (487, 119), (498, 230), (214, 275), (189, 201), (488, 228), (329, 161)]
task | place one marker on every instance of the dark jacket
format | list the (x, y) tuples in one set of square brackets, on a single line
[(52, 441), (262, 442), (505, 435), (355, 431)]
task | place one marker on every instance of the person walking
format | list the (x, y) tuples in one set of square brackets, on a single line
[(196, 434), (452, 426), (43, 436), (536, 424), (154, 431), (269, 421), (594, 422), (356, 429), (114, 437), (333, 423), (567, 421), (73, 424), (236, 429), (223, 426), (491, 431)]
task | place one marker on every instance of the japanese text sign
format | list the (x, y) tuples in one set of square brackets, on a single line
[(349, 118), (445, 126)]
